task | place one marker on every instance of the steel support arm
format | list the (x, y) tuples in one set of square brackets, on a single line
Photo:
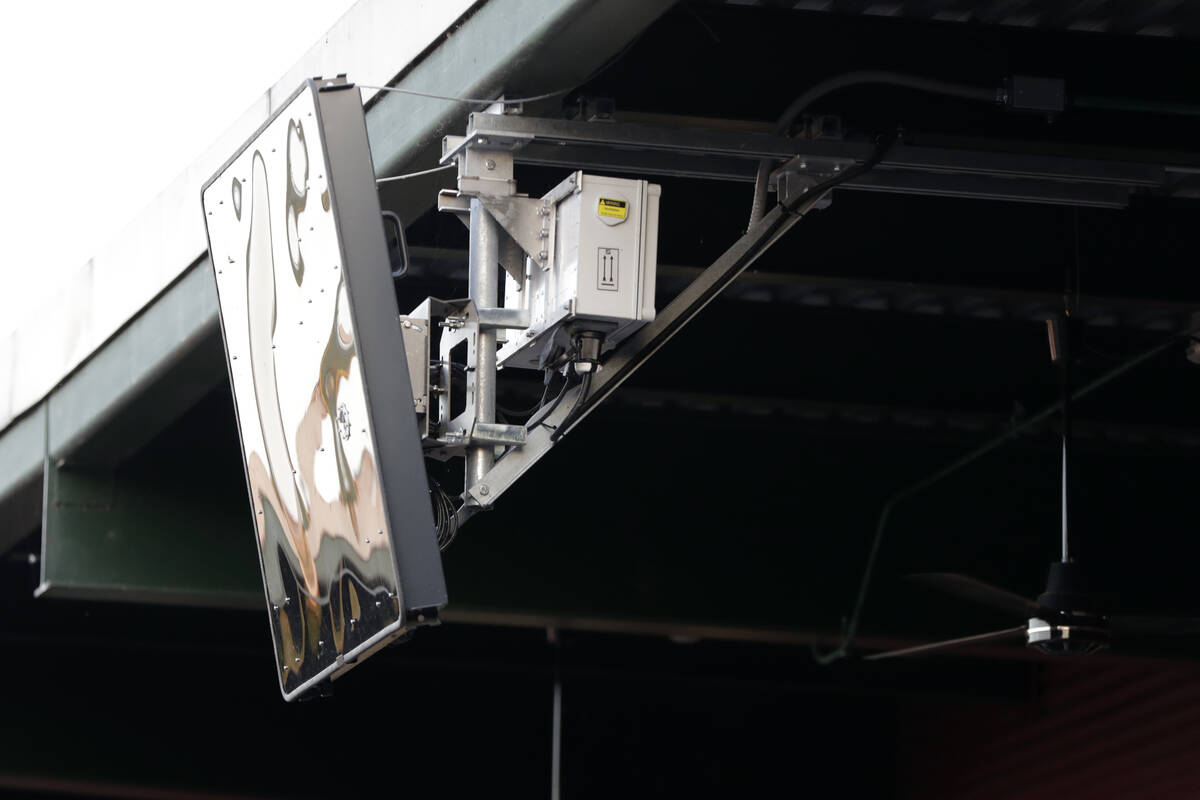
[(631, 355)]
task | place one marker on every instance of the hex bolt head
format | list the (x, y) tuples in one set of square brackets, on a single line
[(489, 164), (483, 489)]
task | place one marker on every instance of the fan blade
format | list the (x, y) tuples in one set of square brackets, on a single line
[(1144, 625), (925, 648), (969, 588)]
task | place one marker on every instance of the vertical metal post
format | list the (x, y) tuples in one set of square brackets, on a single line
[(556, 720), (1066, 499), (556, 747), (484, 289), (1066, 442), (1067, 354)]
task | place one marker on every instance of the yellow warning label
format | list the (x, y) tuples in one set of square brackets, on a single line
[(612, 208)]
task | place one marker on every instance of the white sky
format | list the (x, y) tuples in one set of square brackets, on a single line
[(105, 103)]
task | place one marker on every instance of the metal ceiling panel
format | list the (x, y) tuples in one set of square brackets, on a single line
[(1165, 18)]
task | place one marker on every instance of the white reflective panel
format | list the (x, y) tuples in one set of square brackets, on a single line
[(311, 464)]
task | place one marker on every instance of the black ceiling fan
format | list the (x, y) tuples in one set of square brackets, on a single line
[(1067, 617)]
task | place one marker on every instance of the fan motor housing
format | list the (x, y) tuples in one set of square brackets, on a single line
[(1068, 634)]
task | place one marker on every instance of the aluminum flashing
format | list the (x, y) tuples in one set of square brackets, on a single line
[(147, 375), (22, 455)]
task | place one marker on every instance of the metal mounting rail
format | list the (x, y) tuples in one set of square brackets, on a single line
[(698, 152), (732, 155)]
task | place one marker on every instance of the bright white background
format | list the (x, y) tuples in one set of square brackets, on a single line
[(104, 103)]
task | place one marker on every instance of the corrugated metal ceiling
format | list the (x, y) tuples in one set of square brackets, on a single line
[(1166, 18)]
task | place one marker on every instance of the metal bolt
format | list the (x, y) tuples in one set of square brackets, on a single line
[(489, 164), (837, 167), (483, 489), (803, 165), (543, 255)]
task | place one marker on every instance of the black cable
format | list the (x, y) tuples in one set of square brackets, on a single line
[(838, 82), (549, 409), (526, 411), (445, 516), (843, 649), (585, 385)]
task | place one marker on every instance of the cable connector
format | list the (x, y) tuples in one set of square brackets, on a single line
[(587, 348)]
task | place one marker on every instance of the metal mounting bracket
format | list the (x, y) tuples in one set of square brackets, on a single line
[(529, 221)]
